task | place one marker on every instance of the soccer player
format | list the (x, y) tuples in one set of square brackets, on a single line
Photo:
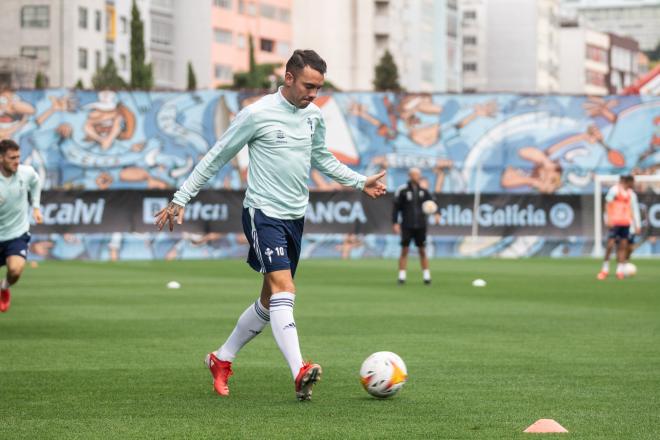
[(411, 223), (622, 213), (16, 181), (285, 134)]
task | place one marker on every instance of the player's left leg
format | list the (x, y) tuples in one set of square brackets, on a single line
[(622, 253), (14, 253), (420, 242), (605, 269), (15, 266), (251, 323)]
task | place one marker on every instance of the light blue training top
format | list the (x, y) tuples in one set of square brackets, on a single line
[(284, 141), (14, 215)]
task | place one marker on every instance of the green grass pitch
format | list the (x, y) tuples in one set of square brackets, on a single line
[(98, 350)]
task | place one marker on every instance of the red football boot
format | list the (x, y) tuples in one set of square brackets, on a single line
[(221, 372), (5, 299), (308, 375)]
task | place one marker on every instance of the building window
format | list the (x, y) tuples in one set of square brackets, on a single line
[(122, 62), (222, 36), (268, 11), (161, 33), (82, 18), (427, 71), (598, 54), (469, 40), (97, 59), (82, 58), (97, 20), (595, 78), (35, 16), (382, 8), (251, 9), (469, 67), (285, 15), (241, 6), (41, 53), (222, 3), (267, 45), (469, 15), (163, 69), (223, 72), (123, 25), (240, 41), (165, 4)]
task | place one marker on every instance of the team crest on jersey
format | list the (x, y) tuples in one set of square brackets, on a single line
[(280, 137), (311, 126), (268, 253)]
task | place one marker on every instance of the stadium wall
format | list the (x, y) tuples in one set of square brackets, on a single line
[(501, 144)]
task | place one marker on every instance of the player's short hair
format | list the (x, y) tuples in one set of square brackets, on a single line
[(627, 178), (307, 57), (8, 144)]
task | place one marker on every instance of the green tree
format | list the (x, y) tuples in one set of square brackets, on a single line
[(108, 77), (141, 73), (192, 80), (40, 81), (386, 75), (654, 54), (259, 75), (79, 85)]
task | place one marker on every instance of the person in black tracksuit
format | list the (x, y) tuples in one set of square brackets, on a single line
[(410, 221)]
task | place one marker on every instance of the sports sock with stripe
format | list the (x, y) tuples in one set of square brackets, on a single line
[(250, 324), (284, 329)]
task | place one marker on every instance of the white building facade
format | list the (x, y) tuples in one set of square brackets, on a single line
[(584, 61), (510, 46), (68, 38), (422, 36), (638, 19)]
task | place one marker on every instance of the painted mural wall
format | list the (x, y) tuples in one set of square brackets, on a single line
[(493, 143)]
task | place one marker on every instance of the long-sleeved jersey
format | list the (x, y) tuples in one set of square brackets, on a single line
[(14, 206), (284, 141)]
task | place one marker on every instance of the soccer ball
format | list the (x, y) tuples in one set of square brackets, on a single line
[(383, 374), (429, 207), (630, 270)]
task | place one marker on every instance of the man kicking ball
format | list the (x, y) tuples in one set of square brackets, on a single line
[(16, 181), (285, 134)]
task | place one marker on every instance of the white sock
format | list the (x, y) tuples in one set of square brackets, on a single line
[(402, 274), (606, 266), (426, 274), (250, 324), (619, 267), (284, 329), (4, 284)]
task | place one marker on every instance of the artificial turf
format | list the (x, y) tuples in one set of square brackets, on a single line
[(99, 350)]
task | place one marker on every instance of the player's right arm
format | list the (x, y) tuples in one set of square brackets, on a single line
[(240, 132), (35, 196)]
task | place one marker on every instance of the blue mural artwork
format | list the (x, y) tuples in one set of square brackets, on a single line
[(498, 143), (494, 143)]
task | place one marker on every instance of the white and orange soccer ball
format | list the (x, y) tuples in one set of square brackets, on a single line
[(429, 207), (383, 374)]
